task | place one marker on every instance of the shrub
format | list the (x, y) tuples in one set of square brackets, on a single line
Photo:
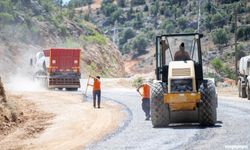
[(6, 18), (108, 8), (139, 44), (121, 3), (127, 34), (243, 33), (137, 2), (217, 64), (168, 26), (116, 15), (95, 38), (182, 22), (137, 82), (219, 20), (220, 36)]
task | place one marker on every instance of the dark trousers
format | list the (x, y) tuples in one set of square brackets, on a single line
[(98, 95), (146, 106)]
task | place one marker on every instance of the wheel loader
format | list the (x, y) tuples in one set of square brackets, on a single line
[(180, 93)]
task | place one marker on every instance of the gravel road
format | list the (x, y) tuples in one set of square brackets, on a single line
[(232, 130)]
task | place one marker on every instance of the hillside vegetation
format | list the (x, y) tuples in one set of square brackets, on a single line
[(133, 25), (28, 26)]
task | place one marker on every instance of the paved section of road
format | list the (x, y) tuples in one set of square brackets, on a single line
[(231, 131)]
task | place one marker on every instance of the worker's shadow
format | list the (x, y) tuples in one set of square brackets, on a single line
[(192, 126)]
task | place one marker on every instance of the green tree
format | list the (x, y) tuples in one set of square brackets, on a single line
[(137, 2), (121, 3), (243, 33), (138, 22), (182, 22), (217, 64), (208, 22), (6, 18), (220, 36), (116, 15), (108, 8), (6, 6), (168, 26), (140, 44), (127, 34), (154, 10), (219, 20), (145, 8)]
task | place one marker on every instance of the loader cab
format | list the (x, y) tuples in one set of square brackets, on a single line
[(166, 48)]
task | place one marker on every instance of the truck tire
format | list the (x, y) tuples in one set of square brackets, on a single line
[(159, 110), (208, 105), (248, 92), (71, 89), (242, 90)]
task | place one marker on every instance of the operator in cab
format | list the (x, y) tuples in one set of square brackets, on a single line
[(181, 55)]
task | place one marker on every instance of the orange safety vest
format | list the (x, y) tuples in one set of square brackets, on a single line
[(97, 85), (146, 91)]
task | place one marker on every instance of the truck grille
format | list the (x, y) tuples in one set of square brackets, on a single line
[(181, 72), (63, 81), (181, 85)]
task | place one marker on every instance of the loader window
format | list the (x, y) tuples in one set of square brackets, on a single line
[(173, 45)]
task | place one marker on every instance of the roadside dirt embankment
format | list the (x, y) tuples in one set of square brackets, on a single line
[(57, 120)]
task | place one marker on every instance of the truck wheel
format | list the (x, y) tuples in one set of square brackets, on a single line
[(248, 92), (242, 90), (60, 89), (71, 89), (159, 110), (208, 104)]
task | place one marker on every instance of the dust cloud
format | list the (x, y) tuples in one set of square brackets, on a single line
[(24, 83)]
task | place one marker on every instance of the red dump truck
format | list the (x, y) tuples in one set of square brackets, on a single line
[(58, 68)]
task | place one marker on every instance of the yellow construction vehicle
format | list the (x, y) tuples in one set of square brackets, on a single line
[(181, 94)]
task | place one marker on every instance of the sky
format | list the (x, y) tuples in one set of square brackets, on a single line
[(65, 1)]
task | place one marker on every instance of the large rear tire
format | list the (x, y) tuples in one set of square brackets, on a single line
[(208, 104), (159, 110), (242, 90), (248, 91)]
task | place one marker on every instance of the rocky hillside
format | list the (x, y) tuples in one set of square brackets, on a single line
[(30, 26), (132, 25), (8, 113)]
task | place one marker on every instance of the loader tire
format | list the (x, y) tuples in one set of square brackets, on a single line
[(208, 104), (159, 110), (242, 90)]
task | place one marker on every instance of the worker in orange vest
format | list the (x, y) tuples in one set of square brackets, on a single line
[(144, 91), (96, 91)]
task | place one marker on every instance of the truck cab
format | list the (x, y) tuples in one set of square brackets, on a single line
[(244, 77)]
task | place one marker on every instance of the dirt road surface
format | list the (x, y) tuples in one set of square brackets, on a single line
[(232, 129), (73, 123)]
